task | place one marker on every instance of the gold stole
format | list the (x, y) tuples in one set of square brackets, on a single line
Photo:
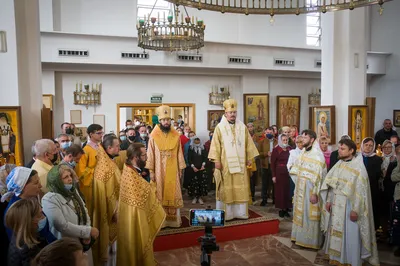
[(314, 211), (167, 144), (337, 229), (299, 204)]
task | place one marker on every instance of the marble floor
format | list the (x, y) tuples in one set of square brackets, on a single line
[(267, 250)]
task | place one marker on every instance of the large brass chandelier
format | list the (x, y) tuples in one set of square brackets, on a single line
[(276, 7), (171, 34)]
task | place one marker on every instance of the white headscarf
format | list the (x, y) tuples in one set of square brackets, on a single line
[(372, 153), (16, 182), (197, 148), (280, 143)]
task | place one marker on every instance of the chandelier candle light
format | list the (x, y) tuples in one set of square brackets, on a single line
[(277, 7), (87, 97), (218, 97), (171, 34)]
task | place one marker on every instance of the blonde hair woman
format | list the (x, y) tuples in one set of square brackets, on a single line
[(26, 241), (323, 144)]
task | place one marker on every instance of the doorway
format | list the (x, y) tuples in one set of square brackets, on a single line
[(145, 111)]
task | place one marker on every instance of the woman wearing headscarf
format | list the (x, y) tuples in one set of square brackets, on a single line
[(24, 183), (386, 185), (65, 209), (26, 219), (280, 175), (373, 164), (4, 172), (197, 158)]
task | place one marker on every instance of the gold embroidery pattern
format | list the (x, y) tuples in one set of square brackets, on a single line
[(134, 189), (102, 167), (314, 211)]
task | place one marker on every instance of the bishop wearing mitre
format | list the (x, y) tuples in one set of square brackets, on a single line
[(232, 150), (165, 162)]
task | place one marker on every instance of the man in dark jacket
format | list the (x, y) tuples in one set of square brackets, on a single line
[(335, 154), (130, 138), (385, 133)]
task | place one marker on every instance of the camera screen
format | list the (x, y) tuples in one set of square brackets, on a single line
[(207, 217)]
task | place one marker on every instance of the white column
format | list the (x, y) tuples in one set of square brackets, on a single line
[(20, 66), (344, 78)]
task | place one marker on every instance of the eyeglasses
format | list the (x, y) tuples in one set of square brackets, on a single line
[(99, 133)]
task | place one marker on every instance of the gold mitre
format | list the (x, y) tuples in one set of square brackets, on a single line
[(163, 111), (230, 105)]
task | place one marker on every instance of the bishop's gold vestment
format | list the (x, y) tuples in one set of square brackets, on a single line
[(232, 183), (105, 194), (140, 217), (165, 160)]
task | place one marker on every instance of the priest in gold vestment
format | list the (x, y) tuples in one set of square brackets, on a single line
[(349, 221), (165, 161), (140, 213), (307, 173), (105, 194), (232, 150)]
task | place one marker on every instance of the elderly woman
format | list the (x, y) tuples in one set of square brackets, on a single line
[(373, 164), (386, 184), (65, 208), (280, 175), (24, 183)]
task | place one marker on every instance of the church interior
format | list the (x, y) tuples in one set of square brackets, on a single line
[(87, 79)]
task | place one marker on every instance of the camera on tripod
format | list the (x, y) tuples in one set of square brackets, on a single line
[(207, 218)]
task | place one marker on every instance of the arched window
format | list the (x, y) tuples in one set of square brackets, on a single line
[(144, 8), (313, 26)]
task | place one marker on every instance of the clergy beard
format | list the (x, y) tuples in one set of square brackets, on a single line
[(345, 158), (231, 122), (307, 145), (141, 164), (165, 129)]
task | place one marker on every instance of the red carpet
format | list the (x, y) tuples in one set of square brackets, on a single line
[(234, 230)]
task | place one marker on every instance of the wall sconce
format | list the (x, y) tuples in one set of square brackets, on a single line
[(3, 42)]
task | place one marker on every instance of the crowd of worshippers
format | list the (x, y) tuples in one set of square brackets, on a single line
[(51, 192)]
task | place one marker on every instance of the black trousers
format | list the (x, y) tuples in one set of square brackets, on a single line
[(267, 184), (253, 182)]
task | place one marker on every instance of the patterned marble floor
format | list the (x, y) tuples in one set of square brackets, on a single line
[(265, 250)]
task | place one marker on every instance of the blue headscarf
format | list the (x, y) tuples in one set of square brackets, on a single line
[(16, 182)]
